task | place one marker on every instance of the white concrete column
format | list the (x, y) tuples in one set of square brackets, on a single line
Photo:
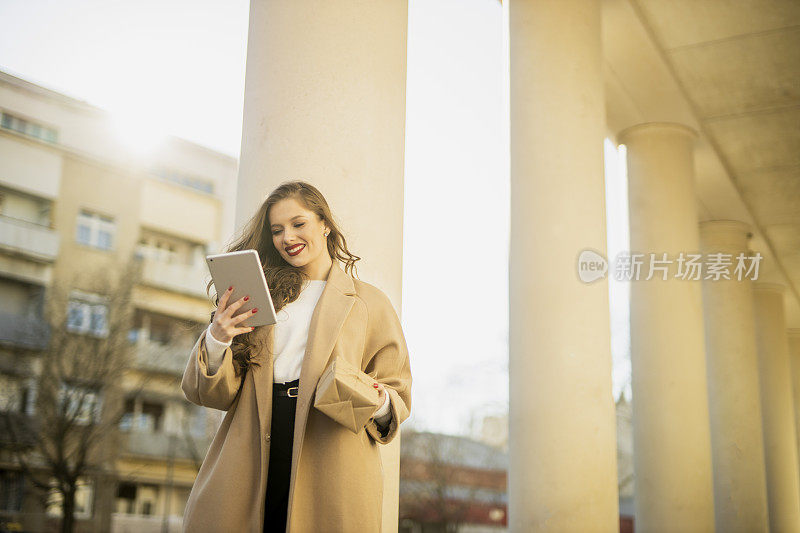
[(794, 358), (672, 441), (562, 445), (777, 405), (737, 444), (325, 103)]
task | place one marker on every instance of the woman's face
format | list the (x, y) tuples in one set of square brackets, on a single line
[(298, 234)]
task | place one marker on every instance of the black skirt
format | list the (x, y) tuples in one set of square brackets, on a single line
[(280, 458)]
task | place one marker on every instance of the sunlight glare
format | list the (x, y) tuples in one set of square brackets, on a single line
[(137, 132)]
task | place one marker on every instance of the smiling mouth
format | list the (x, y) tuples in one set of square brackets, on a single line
[(296, 249)]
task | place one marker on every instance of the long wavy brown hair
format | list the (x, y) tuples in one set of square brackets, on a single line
[(284, 280)]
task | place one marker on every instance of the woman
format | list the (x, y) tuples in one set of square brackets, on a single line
[(276, 462)]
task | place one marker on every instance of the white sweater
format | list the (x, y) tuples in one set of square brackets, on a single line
[(291, 334)]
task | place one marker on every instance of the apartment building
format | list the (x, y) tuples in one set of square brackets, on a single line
[(452, 483), (75, 201)]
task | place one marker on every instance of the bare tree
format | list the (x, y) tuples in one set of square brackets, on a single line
[(78, 407), (440, 488), (170, 358)]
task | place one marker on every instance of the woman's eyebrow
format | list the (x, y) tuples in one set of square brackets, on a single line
[(294, 217)]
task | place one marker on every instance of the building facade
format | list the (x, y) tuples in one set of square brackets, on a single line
[(76, 203)]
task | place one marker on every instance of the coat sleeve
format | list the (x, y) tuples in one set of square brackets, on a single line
[(388, 363), (216, 390)]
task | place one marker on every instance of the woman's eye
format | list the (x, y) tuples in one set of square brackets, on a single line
[(301, 224)]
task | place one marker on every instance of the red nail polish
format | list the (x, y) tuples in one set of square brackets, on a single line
[(255, 309), (230, 288), (246, 298)]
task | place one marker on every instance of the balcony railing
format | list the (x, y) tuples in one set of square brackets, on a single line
[(185, 279), (24, 331), (157, 444), (169, 358), (28, 239), (145, 524)]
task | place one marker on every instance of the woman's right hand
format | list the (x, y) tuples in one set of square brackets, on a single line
[(224, 327)]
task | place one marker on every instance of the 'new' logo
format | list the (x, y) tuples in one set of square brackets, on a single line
[(591, 266)]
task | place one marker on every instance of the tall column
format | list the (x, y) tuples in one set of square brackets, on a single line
[(794, 358), (672, 441), (562, 442), (737, 444), (780, 438), (325, 102)]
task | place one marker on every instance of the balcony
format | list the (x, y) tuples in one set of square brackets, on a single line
[(24, 331), (29, 167), (28, 239), (157, 445), (177, 210), (145, 524), (168, 358), (185, 279)]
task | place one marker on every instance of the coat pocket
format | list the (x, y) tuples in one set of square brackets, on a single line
[(372, 453)]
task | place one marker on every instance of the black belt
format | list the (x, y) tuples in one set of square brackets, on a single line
[(289, 388), (291, 392)]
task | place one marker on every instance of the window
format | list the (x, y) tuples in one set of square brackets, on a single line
[(148, 496), (98, 319), (95, 230), (180, 178), (134, 335), (87, 317), (126, 420), (163, 331), (19, 125), (84, 497), (12, 486), (158, 249), (126, 498), (14, 395), (26, 127), (150, 417), (80, 403)]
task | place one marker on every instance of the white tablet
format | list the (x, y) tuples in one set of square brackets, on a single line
[(243, 270)]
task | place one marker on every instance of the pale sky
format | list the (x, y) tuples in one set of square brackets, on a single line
[(178, 66)]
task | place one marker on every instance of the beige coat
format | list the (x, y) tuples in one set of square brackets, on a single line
[(336, 476)]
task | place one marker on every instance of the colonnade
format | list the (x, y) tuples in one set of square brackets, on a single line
[(714, 413), (714, 420)]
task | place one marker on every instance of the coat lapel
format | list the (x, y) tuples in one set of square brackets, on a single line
[(334, 305)]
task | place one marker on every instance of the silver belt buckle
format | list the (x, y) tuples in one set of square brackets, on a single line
[(289, 392)]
